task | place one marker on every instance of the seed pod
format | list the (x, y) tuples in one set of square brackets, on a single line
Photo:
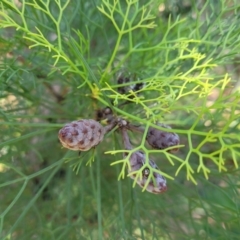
[(121, 80), (105, 114), (137, 160), (156, 186), (124, 78), (81, 135), (162, 139)]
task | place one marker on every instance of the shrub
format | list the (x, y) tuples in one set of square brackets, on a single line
[(150, 65)]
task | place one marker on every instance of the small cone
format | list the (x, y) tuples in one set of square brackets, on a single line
[(156, 186), (159, 139), (136, 161), (81, 135)]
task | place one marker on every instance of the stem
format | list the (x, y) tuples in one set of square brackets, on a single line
[(109, 127), (126, 141), (136, 128)]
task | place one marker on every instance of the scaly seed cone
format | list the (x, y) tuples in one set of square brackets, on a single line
[(162, 139), (158, 183), (81, 135), (156, 186)]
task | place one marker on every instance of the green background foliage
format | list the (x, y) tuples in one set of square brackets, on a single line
[(59, 62)]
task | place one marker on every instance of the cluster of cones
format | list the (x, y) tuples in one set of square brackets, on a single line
[(84, 134)]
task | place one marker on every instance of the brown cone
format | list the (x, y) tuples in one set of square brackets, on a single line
[(162, 139), (158, 183), (137, 160), (81, 135)]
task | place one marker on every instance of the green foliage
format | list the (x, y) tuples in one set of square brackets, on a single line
[(59, 62)]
